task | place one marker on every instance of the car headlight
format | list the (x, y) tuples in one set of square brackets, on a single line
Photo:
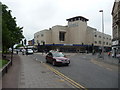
[(58, 60)]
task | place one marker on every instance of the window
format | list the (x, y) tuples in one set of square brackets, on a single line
[(99, 42), (103, 43), (37, 41), (95, 35), (99, 36), (37, 36), (62, 36), (106, 43), (95, 42), (42, 35), (42, 41), (50, 54)]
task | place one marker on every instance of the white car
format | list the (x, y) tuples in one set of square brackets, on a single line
[(118, 55), (29, 51)]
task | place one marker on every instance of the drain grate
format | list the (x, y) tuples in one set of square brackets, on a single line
[(43, 72)]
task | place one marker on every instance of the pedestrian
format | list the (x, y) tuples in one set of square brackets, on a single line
[(115, 54), (23, 51), (118, 56), (109, 53), (17, 51), (46, 51), (43, 51), (93, 52), (118, 59)]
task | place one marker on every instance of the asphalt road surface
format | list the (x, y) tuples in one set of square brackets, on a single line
[(87, 73)]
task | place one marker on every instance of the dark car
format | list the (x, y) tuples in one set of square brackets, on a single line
[(57, 58)]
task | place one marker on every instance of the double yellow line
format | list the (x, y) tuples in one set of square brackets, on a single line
[(75, 84)]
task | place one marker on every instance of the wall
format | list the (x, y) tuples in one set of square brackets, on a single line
[(55, 34), (77, 32)]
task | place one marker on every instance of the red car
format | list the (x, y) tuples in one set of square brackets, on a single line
[(57, 58)]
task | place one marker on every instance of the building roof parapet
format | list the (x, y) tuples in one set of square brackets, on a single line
[(92, 28), (58, 26), (77, 18)]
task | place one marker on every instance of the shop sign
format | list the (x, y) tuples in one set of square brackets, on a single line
[(115, 42), (68, 44)]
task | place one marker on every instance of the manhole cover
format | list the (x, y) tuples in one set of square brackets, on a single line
[(43, 72)]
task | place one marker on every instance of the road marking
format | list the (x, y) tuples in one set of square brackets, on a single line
[(75, 84)]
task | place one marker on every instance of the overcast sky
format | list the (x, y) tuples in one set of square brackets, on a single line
[(36, 15)]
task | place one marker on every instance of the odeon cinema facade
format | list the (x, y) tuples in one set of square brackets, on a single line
[(74, 37)]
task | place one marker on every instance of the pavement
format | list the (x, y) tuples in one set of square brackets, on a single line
[(29, 73), (10, 79)]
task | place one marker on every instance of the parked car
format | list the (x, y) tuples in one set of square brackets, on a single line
[(57, 58), (118, 55), (29, 51)]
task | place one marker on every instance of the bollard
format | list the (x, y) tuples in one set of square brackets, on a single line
[(6, 69)]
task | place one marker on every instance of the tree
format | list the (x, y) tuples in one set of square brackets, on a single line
[(0, 27), (19, 45), (11, 33)]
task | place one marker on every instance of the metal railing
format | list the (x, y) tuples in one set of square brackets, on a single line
[(5, 68)]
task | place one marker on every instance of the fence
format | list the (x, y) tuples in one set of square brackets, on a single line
[(5, 67)]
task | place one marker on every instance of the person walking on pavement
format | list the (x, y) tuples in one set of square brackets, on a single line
[(17, 51), (23, 51), (109, 53), (93, 52), (118, 56)]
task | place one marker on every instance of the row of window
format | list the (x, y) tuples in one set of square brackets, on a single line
[(103, 37), (38, 36), (39, 42), (100, 42), (76, 19)]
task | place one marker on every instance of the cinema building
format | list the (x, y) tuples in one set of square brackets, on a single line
[(74, 37)]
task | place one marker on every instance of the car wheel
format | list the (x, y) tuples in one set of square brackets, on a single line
[(53, 63), (67, 64), (46, 61)]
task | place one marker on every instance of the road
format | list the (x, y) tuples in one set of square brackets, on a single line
[(87, 72)]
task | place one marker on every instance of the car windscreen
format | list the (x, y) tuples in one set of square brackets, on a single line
[(58, 55)]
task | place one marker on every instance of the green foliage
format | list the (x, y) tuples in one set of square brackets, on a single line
[(19, 45), (3, 62), (11, 33)]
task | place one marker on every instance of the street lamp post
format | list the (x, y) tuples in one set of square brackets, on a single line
[(102, 33)]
